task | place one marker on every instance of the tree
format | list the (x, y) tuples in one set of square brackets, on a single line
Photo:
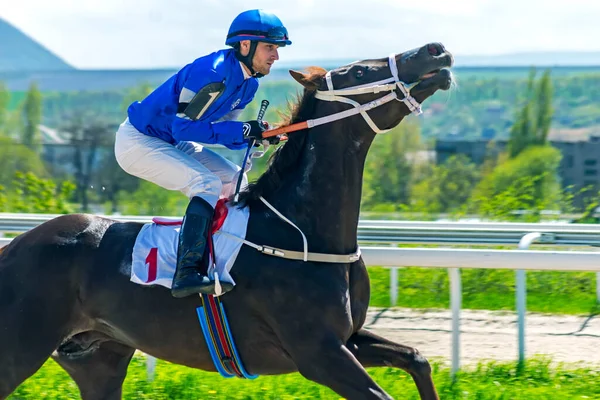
[(447, 188), (3, 199), (32, 194), (113, 181), (4, 99), (533, 121), (544, 110), (15, 157), (393, 165), (88, 137), (137, 93), (32, 117), (527, 182), (151, 199)]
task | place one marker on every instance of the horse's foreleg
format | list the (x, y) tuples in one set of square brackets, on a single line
[(99, 373), (335, 367), (374, 351), (31, 324)]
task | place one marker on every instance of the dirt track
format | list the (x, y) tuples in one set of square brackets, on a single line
[(490, 335)]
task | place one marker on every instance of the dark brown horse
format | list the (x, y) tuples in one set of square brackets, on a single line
[(65, 286)]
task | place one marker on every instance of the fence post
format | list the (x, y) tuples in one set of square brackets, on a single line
[(394, 286), (521, 310), (521, 294), (455, 303), (150, 367), (598, 287), (393, 283)]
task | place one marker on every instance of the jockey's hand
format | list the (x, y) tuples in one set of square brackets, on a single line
[(273, 139), (253, 130)]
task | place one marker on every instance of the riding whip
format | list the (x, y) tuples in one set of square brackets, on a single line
[(261, 113)]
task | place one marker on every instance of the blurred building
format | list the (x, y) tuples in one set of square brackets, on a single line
[(58, 152), (579, 166)]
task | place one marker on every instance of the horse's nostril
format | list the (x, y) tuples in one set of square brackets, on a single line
[(435, 49)]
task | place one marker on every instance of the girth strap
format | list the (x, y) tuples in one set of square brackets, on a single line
[(297, 255), (219, 339)]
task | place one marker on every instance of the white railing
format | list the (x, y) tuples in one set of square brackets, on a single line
[(373, 231), (454, 259)]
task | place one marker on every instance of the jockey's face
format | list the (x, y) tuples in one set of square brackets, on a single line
[(264, 56)]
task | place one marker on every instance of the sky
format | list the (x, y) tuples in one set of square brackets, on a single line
[(113, 34)]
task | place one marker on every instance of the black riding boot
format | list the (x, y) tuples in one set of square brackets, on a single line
[(190, 274)]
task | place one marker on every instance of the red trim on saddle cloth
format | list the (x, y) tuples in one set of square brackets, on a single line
[(221, 211), (166, 221)]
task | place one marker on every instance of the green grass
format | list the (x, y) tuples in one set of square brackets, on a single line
[(551, 292), (538, 380)]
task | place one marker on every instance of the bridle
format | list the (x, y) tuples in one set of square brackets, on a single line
[(393, 85)]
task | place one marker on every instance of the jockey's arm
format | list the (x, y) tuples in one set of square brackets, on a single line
[(233, 115), (205, 131)]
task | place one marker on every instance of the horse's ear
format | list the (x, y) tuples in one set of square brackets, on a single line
[(306, 80)]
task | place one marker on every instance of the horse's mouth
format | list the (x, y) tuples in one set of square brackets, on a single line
[(429, 75), (443, 60), (441, 78)]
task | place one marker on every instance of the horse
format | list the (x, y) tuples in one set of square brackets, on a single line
[(66, 293)]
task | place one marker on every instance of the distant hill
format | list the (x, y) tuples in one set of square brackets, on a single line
[(19, 52), (541, 59), (81, 79), (103, 80)]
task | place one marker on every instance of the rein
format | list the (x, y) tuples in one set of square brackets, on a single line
[(392, 84)]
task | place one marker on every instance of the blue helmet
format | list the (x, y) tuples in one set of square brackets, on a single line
[(257, 25)]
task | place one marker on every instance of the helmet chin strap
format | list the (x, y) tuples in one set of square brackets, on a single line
[(247, 59)]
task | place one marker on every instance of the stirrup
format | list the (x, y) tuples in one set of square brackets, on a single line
[(191, 283)]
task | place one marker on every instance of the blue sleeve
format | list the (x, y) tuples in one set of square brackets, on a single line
[(223, 132), (203, 130)]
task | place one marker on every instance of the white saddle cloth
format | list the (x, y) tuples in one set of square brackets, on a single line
[(155, 249)]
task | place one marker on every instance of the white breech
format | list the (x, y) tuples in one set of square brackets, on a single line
[(188, 167)]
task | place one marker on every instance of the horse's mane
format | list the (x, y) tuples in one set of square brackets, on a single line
[(285, 158)]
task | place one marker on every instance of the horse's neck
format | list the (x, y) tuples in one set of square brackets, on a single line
[(323, 196)]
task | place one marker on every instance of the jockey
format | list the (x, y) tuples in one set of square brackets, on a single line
[(159, 141)]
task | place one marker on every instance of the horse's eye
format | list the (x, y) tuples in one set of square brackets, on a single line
[(360, 73)]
